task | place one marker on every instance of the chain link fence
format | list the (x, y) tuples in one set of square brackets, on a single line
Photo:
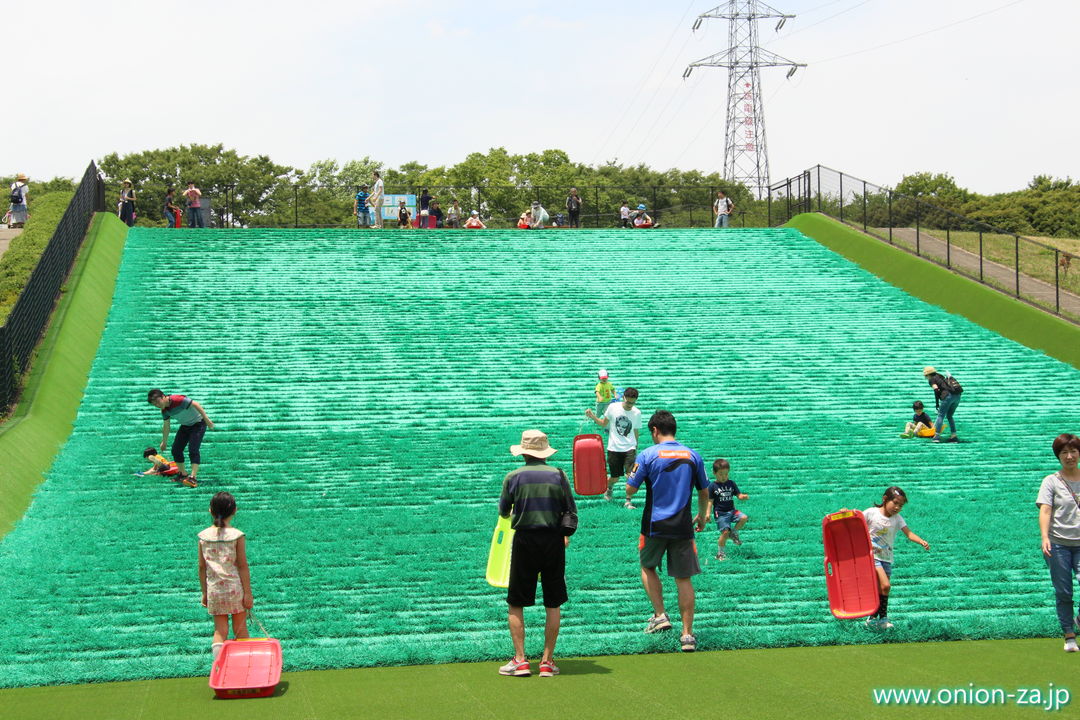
[(1034, 271), (30, 315)]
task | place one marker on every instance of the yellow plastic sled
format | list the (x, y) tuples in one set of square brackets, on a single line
[(498, 565)]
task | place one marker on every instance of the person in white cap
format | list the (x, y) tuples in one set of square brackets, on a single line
[(474, 221), (544, 518)]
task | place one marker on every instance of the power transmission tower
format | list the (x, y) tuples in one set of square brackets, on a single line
[(746, 156)]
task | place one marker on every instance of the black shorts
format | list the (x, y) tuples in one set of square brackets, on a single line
[(619, 463), (537, 553)]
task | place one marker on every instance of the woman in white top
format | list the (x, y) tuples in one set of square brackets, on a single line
[(1059, 524), (18, 210)]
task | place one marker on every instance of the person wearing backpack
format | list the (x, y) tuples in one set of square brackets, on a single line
[(18, 200), (947, 391), (722, 207)]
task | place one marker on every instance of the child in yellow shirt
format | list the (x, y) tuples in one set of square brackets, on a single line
[(605, 393)]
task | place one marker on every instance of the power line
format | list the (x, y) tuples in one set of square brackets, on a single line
[(921, 34), (633, 96)]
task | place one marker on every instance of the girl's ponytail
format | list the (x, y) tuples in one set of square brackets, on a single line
[(222, 507), (891, 493)]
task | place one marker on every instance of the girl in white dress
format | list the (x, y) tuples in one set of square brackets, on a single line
[(223, 572)]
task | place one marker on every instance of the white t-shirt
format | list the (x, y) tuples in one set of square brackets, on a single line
[(621, 426), (1064, 514), (376, 196), (883, 532)]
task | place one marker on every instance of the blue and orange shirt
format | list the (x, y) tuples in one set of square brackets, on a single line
[(670, 472)]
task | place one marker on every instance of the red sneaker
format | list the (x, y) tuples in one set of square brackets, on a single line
[(517, 668), (548, 668)]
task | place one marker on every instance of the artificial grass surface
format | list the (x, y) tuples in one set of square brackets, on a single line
[(367, 386), (989, 308), (829, 682), (32, 436)]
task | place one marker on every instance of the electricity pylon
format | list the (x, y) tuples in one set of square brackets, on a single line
[(746, 156)]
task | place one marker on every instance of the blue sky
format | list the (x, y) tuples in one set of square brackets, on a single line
[(991, 100)]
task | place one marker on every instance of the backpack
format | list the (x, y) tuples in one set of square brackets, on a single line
[(953, 385), (16, 195)]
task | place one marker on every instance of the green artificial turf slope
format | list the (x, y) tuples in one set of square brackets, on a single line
[(30, 439), (367, 387), (934, 284), (778, 684)]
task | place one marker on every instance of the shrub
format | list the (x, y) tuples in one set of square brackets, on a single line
[(25, 250)]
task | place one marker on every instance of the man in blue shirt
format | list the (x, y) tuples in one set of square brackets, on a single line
[(670, 472), (360, 208)]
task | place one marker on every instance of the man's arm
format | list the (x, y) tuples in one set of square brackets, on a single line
[(601, 421), (164, 434), (703, 508), (205, 417)]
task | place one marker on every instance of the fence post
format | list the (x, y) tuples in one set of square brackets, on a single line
[(948, 245), (890, 218), (1057, 285), (769, 206), (596, 195), (819, 187), (980, 256), (295, 206), (917, 248), (787, 195), (864, 206), (841, 197), (1017, 239)]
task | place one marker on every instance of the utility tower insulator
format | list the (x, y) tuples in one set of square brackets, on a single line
[(746, 156)]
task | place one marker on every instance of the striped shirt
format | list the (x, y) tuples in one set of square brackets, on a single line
[(538, 494)]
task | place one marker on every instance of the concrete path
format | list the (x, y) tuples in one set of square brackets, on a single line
[(1031, 288), (6, 236)]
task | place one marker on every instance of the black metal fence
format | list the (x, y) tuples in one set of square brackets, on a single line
[(304, 206), (1031, 270), (30, 316)]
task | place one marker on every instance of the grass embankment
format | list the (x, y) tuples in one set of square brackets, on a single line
[(31, 437), (989, 308), (25, 250)]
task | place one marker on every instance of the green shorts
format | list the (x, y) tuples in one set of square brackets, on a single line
[(681, 553)]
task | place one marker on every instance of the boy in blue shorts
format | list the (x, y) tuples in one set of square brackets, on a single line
[(722, 494)]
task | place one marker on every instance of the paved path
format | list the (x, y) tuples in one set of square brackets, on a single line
[(1031, 288), (6, 236)]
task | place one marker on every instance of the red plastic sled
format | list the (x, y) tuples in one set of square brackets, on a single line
[(850, 577), (590, 471), (248, 668)]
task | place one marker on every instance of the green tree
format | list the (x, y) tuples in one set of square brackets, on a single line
[(255, 184)]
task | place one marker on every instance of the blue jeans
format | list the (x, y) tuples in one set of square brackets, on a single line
[(1064, 563), (722, 220), (195, 217), (946, 408), (363, 218)]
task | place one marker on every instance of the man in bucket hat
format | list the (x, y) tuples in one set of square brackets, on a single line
[(544, 518)]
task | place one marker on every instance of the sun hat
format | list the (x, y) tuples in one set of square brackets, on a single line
[(21, 176), (929, 370), (602, 374), (128, 182), (475, 212), (534, 443), (640, 207)]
